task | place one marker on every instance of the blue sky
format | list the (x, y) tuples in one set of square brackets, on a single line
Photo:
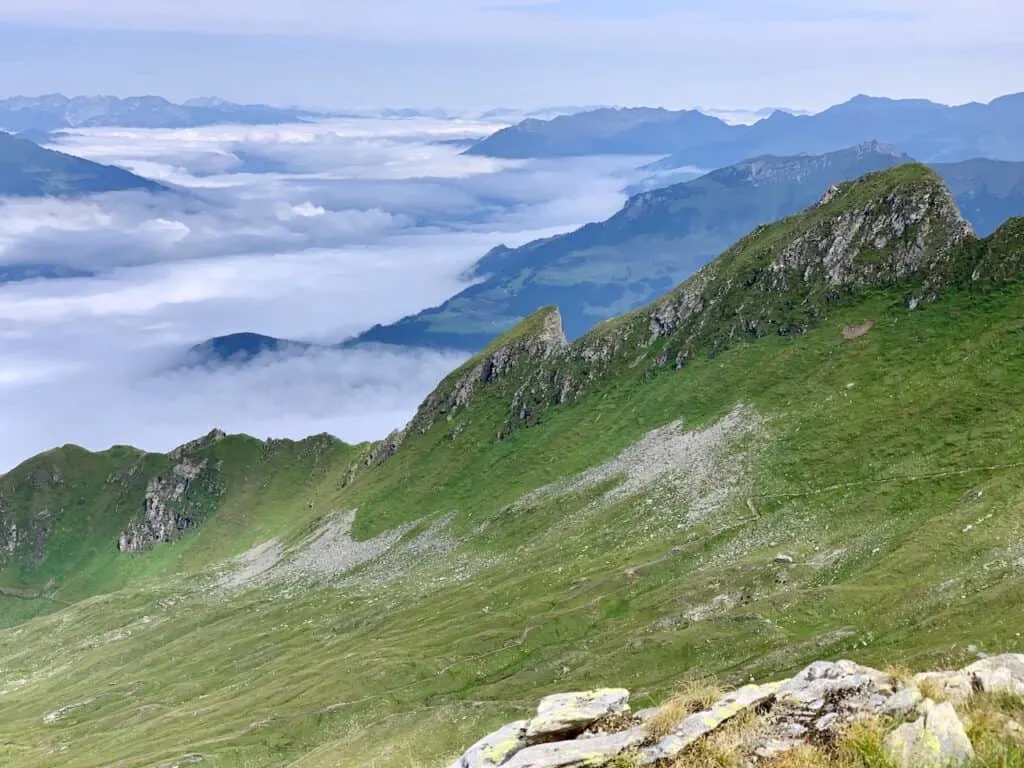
[(479, 53)]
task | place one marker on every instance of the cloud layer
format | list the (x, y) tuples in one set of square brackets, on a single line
[(348, 224)]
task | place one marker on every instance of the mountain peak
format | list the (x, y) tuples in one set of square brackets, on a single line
[(536, 338), (892, 229), (875, 146)]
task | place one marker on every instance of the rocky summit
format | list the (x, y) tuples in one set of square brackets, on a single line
[(655, 544)]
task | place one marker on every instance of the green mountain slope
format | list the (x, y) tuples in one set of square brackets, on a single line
[(663, 236), (28, 170), (607, 512)]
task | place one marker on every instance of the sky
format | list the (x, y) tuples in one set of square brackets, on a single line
[(361, 221), (529, 53)]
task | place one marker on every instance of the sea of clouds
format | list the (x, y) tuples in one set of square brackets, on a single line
[(312, 232)]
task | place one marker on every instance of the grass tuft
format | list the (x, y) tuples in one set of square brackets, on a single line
[(693, 696), (933, 689), (723, 748), (900, 674)]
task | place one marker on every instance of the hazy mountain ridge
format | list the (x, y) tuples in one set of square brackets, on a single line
[(928, 131), (56, 111), (28, 170)]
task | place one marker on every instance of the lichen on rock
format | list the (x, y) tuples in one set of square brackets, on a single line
[(811, 709)]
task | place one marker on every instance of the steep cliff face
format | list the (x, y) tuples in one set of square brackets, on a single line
[(166, 510), (536, 339), (169, 508)]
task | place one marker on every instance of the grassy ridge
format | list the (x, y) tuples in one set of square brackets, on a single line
[(70, 506)]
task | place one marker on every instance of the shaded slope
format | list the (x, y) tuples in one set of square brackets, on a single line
[(28, 170), (656, 240), (242, 348), (640, 131)]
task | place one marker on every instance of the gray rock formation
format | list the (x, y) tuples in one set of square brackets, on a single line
[(494, 749), (595, 729), (537, 338), (995, 673), (935, 740), (165, 516), (701, 724), (566, 715), (589, 751)]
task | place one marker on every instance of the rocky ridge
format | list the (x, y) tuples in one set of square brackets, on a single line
[(897, 229), (538, 338), (892, 230), (814, 709), (168, 509)]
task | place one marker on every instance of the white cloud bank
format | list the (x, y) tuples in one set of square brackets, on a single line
[(358, 223)]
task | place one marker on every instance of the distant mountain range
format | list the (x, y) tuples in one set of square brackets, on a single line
[(658, 239), (928, 131), (56, 111)]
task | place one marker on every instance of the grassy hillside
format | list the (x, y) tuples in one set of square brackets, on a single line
[(623, 530), (63, 512)]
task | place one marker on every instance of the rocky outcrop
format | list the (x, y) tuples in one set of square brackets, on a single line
[(165, 515), (566, 715), (168, 510), (496, 748), (815, 707), (991, 674), (897, 230), (537, 338), (936, 738)]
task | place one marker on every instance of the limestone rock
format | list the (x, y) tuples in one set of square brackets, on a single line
[(699, 725), (903, 702), (591, 752), (999, 673), (935, 739), (995, 673), (494, 749), (827, 695), (645, 714), (565, 715), (165, 510)]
